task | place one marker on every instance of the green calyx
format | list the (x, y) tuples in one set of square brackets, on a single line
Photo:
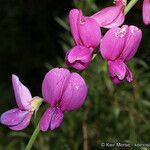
[(36, 103)]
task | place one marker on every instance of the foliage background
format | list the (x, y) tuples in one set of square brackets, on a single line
[(34, 37)]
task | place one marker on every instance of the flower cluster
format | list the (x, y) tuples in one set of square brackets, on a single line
[(64, 91), (117, 46)]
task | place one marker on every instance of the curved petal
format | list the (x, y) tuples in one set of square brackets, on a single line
[(22, 93), (56, 119), (73, 19), (52, 119), (110, 17), (79, 57), (75, 93), (133, 40), (146, 12), (53, 85), (90, 32), (113, 42), (23, 124), (13, 117), (129, 76), (118, 71), (45, 119)]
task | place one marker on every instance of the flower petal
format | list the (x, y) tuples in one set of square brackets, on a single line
[(115, 80), (13, 117), (52, 119), (22, 93), (146, 12), (120, 2), (56, 119), (45, 119), (79, 57), (113, 42), (110, 17), (73, 19), (23, 124), (118, 71), (90, 32), (133, 40), (53, 85), (75, 93), (129, 76)]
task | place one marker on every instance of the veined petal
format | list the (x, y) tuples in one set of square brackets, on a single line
[(51, 119), (22, 125), (22, 93), (73, 19), (53, 85), (118, 21), (56, 119), (113, 42), (133, 40), (79, 57), (75, 93), (13, 117), (146, 12), (45, 119), (110, 17), (90, 32)]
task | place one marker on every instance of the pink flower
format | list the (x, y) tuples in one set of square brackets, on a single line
[(19, 118), (119, 46), (86, 34), (64, 92), (146, 12), (112, 16)]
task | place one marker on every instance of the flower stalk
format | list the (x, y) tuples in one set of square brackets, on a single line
[(33, 138), (130, 5)]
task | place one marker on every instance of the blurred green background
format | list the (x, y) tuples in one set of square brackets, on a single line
[(34, 36)]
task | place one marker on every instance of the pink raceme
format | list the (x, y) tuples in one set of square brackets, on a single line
[(119, 46), (63, 91)]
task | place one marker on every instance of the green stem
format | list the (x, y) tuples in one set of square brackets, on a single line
[(130, 5), (33, 138)]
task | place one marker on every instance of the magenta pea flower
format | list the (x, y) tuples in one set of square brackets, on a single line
[(64, 92), (86, 34), (112, 16), (119, 46), (146, 12), (19, 118)]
